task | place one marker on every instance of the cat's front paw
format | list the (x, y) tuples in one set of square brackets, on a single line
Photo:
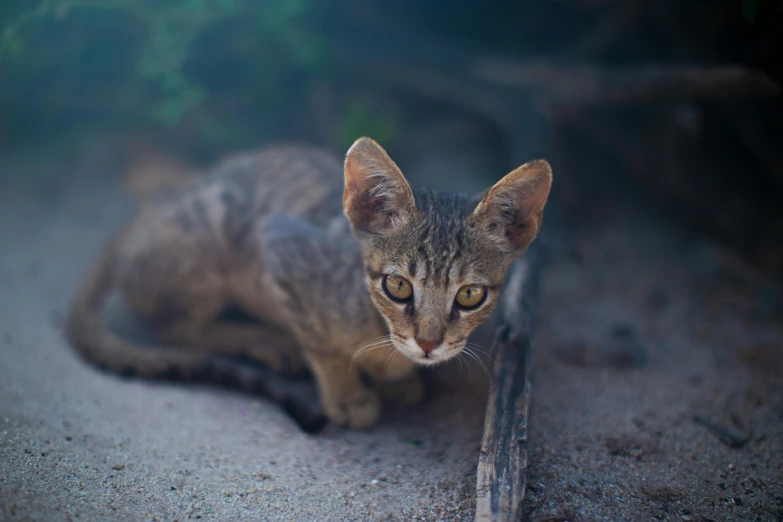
[(356, 409), (408, 390)]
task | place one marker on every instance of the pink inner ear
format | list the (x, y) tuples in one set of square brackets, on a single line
[(364, 206), (368, 209), (375, 189), (516, 203), (534, 202), (518, 229)]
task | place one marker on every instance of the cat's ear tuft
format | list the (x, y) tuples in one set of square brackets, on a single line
[(376, 198), (512, 210)]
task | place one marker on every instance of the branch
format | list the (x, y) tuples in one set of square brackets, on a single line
[(497, 88), (502, 466), (585, 85)]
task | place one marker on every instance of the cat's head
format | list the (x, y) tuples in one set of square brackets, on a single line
[(435, 262)]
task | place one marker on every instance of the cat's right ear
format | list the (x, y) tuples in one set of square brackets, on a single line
[(512, 210), (376, 198)]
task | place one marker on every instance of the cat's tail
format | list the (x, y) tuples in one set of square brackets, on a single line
[(96, 343)]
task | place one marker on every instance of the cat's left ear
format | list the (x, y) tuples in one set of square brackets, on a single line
[(376, 198), (512, 210)]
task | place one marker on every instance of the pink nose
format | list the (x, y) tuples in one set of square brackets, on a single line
[(428, 346)]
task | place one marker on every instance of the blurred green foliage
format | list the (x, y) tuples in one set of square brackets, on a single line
[(227, 68), (359, 119), (231, 71)]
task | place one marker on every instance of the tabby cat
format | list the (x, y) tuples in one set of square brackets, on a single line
[(360, 281)]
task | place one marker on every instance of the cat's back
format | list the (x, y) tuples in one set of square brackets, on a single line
[(297, 180), (290, 179)]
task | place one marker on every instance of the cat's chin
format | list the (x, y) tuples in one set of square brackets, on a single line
[(429, 361)]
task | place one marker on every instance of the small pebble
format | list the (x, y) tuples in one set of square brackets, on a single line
[(118, 467), (374, 482)]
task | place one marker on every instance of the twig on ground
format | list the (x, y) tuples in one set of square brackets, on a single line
[(502, 467)]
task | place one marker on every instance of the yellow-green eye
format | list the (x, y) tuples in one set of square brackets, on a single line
[(398, 288), (470, 296)]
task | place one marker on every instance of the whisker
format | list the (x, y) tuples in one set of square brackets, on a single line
[(480, 349), (467, 365), (365, 348), (380, 342), (392, 353), (371, 348), (475, 356), (356, 356), (469, 352)]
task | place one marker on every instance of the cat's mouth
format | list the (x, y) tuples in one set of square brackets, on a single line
[(430, 355)]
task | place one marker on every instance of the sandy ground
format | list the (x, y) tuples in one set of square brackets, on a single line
[(647, 336), (659, 380), (79, 444)]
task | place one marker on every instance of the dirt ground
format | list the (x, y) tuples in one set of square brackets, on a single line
[(658, 392), (659, 380)]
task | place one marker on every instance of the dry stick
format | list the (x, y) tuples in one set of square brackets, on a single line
[(589, 85), (502, 466), (493, 86)]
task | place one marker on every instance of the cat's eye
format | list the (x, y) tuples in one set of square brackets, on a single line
[(470, 296), (398, 288)]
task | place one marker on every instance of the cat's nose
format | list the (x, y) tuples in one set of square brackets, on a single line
[(427, 346)]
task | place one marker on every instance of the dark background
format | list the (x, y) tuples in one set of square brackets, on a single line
[(624, 85)]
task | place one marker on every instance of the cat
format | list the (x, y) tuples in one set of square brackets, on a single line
[(360, 281)]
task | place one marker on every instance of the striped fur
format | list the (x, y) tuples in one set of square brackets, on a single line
[(264, 233)]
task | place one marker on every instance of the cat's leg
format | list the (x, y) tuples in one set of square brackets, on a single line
[(183, 302), (316, 283), (264, 343), (396, 378), (346, 400)]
